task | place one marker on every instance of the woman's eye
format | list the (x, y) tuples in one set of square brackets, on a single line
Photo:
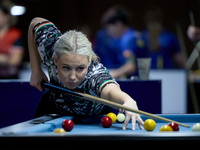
[(66, 68), (80, 68)]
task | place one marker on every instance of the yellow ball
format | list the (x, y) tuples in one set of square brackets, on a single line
[(112, 116), (166, 128), (149, 125), (59, 130)]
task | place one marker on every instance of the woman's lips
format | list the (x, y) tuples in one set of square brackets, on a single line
[(72, 83)]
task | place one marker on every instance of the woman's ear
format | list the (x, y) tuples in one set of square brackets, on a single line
[(54, 59)]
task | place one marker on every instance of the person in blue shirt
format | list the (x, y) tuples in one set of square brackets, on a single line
[(114, 45), (107, 51), (160, 45)]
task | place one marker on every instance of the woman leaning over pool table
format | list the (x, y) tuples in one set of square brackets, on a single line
[(72, 64)]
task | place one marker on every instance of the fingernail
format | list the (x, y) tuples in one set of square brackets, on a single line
[(124, 128)]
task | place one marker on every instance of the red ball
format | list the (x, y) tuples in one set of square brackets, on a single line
[(106, 122), (68, 125), (174, 126)]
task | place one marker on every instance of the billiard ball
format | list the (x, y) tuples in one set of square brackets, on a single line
[(106, 122), (120, 118), (68, 125), (166, 128), (174, 126), (149, 125), (112, 116), (59, 130), (196, 127)]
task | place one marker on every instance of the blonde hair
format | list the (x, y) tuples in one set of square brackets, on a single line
[(74, 42)]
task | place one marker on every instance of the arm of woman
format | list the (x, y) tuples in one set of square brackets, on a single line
[(113, 93), (37, 74)]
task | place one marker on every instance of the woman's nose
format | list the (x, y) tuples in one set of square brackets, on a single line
[(72, 75)]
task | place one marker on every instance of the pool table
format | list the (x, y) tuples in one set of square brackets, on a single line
[(39, 132)]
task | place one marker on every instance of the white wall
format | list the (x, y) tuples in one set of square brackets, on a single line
[(174, 90)]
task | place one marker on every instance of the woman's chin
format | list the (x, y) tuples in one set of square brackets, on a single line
[(70, 87)]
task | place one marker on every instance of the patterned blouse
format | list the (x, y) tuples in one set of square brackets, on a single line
[(96, 78)]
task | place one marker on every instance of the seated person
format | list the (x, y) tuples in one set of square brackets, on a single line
[(114, 44)]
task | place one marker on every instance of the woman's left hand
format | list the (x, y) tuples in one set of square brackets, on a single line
[(133, 116)]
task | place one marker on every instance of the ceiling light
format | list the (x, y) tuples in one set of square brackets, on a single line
[(17, 10)]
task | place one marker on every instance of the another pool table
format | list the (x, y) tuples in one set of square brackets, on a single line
[(39, 132)]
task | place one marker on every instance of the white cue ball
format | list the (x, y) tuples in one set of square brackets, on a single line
[(120, 117), (196, 127)]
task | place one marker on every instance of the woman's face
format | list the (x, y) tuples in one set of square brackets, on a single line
[(72, 69)]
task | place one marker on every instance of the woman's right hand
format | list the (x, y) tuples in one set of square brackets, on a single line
[(37, 78)]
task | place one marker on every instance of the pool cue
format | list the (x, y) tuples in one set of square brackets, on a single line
[(191, 18), (107, 102)]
